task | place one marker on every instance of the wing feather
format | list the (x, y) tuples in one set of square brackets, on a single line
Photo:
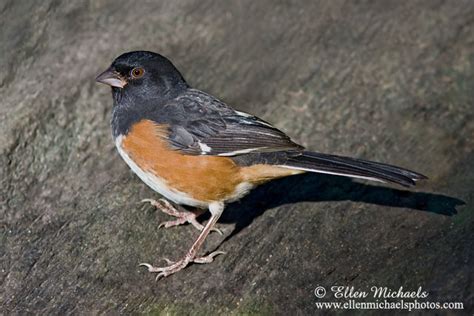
[(210, 127)]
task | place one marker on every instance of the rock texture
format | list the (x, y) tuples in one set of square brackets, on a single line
[(390, 81)]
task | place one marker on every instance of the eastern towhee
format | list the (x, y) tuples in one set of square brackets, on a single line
[(195, 150)]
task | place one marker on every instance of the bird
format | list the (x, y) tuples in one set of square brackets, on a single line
[(197, 151)]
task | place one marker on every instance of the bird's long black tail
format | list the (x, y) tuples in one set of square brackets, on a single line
[(351, 167)]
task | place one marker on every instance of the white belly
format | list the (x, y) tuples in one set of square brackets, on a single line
[(157, 183)]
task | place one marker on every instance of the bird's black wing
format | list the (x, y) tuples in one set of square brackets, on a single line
[(202, 125)]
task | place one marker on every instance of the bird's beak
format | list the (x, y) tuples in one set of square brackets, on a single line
[(112, 78)]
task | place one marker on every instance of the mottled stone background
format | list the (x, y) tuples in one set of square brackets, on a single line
[(390, 81)]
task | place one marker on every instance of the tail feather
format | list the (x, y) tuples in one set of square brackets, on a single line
[(352, 167)]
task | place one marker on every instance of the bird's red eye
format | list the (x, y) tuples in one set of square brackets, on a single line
[(137, 72)]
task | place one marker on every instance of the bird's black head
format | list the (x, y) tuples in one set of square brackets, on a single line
[(143, 75)]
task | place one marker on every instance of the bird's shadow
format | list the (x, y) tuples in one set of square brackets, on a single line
[(319, 188)]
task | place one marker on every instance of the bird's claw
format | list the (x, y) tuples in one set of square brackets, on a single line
[(179, 265), (217, 230), (169, 224), (182, 216), (209, 258)]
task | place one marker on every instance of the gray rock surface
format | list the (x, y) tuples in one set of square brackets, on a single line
[(390, 81)]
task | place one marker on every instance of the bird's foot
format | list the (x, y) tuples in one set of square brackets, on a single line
[(182, 216), (180, 264)]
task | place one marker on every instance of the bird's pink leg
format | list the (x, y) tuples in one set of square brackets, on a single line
[(191, 256), (182, 216)]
